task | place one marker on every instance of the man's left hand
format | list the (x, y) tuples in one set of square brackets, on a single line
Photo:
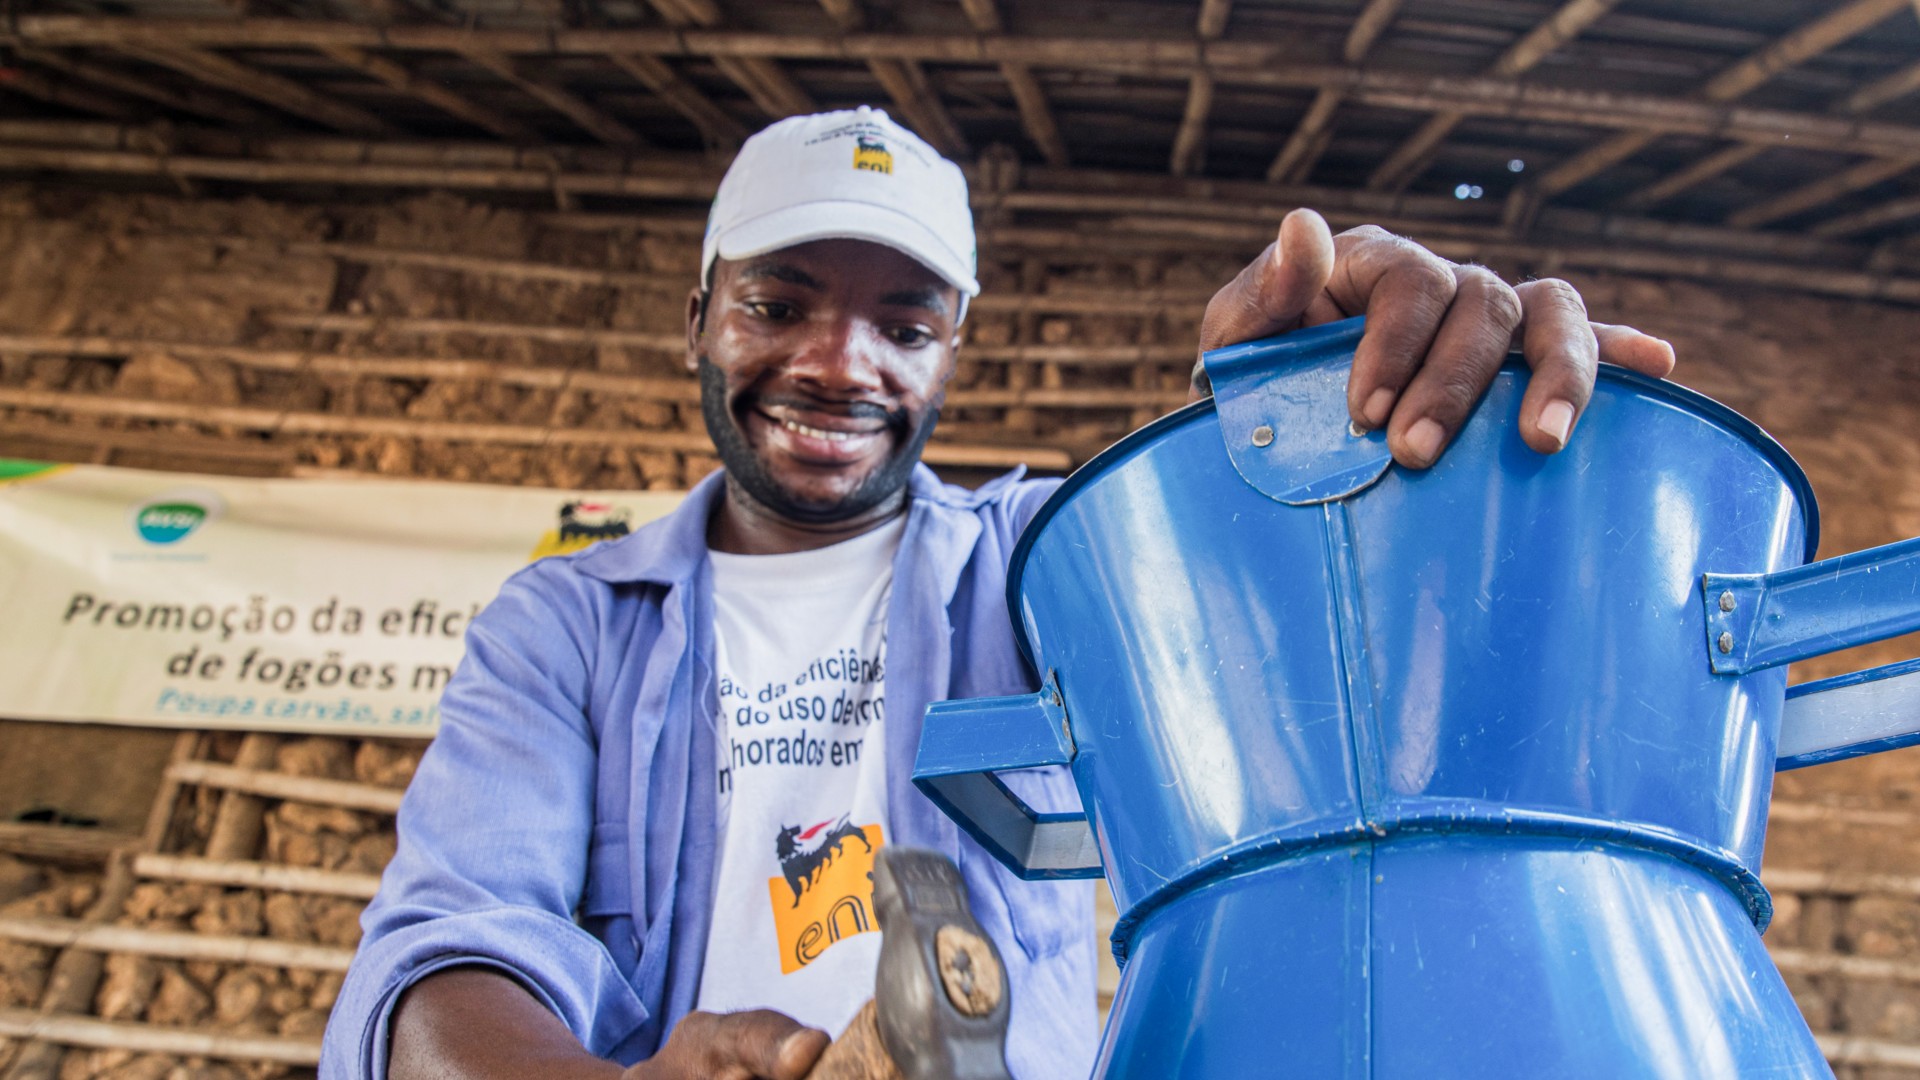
[(1437, 333)]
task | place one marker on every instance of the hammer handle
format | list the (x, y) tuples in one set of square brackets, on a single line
[(857, 1054)]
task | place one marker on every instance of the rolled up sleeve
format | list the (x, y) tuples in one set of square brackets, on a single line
[(495, 833)]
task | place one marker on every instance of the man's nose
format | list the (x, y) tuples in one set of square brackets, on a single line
[(838, 356)]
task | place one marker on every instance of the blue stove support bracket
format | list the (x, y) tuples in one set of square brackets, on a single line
[(962, 744), (1757, 621)]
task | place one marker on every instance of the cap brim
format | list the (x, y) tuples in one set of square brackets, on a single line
[(846, 220)]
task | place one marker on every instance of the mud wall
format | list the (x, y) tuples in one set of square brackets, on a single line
[(171, 333)]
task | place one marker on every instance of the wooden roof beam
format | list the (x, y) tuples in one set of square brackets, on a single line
[(1876, 217), (717, 126), (905, 81), (558, 98), (187, 100), (55, 92), (1820, 192), (1863, 100), (907, 84), (1310, 137), (397, 77), (283, 94), (1036, 115), (1190, 141), (1410, 158), (1796, 47), (763, 80)]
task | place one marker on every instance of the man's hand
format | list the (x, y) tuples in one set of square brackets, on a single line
[(1436, 335), (473, 1023), (758, 1045)]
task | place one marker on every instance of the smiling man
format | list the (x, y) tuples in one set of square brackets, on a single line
[(640, 845)]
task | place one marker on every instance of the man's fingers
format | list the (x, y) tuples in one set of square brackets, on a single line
[(1629, 348), (1405, 291), (757, 1045), (769, 1045), (1560, 345), (1466, 352), (1274, 291)]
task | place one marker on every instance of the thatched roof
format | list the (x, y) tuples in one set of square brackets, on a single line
[(1769, 134)]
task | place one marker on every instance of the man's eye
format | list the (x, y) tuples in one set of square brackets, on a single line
[(909, 336), (771, 309)]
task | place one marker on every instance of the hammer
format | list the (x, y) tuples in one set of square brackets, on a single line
[(940, 1004)]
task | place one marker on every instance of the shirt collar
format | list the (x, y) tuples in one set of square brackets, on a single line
[(668, 551)]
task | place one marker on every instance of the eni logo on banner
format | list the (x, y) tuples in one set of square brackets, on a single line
[(825, 893), (172, 516), (583, 524)]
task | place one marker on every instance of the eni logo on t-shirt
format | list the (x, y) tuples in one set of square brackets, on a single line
[(825, 893)]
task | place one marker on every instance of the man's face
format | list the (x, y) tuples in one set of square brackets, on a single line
[(822, 368)]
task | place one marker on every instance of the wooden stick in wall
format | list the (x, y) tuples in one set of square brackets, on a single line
[(173, 944)]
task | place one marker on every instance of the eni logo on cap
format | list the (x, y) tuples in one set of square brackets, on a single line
[(872, 155), (175, 515)]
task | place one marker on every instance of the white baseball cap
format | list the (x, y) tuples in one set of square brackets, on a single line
[(852, 174)]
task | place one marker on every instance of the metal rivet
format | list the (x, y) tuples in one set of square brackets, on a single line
[(1263, 436), (1726, 642), (1354, 429), (1726, 601)]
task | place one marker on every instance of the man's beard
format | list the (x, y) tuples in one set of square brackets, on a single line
[(745, 468)]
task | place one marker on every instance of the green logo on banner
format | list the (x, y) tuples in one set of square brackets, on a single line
[(166, 523)]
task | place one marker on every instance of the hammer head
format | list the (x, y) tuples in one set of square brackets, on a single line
[(941, 997)]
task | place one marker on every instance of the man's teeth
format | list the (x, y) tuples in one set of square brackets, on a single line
[(817, 433)]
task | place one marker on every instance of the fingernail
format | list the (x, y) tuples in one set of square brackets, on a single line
[(1379, 406), (1556, 420), (1424, 438)]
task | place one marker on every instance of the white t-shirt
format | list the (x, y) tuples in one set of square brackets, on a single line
[(802, 642)]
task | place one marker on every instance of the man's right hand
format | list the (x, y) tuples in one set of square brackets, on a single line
[(758, 1045), (473, 1023)]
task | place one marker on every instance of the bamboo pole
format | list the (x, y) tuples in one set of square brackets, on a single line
[(247, 874), (274, 785), (1796, 47), (154, 1039), (1821, 192), (1231, 62), (1869, 968), (396, 77), (717, 126), (354, 174), (278, 422), (173, 944), (62, 844), (1841, 883), (190, 101), (71, 982), (1406, 161), (592, 120), (1855, 816), (1859, 1050), (1874, 217), (281, 93)]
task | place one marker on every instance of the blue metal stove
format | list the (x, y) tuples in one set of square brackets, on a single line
[(1460, 773)]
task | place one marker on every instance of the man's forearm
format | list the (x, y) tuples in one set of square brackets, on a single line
[(477, 1024)]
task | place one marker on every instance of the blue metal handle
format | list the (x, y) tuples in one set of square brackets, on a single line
[(1282, 406), (1758, 621), (962, 743)]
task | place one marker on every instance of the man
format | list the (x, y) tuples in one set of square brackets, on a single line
[(636, 845)]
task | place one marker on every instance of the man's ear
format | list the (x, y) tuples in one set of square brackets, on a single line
[(697, 299)]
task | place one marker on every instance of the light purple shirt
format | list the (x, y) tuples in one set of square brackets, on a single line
[(561, 830)]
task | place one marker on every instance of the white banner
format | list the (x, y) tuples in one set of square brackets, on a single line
[(324, 606)]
